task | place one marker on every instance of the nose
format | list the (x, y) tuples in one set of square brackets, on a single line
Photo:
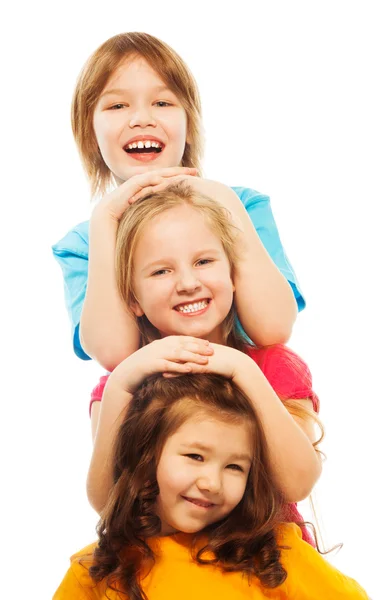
[(210, 481), (142, 117), (187, 282)]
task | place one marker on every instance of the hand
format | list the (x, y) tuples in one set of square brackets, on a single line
[(170, 355), (116, 202), (226, 361), (223, 194)]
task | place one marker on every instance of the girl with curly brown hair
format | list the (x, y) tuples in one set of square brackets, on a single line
[(194, 510)]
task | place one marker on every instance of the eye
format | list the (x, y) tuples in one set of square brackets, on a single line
[(162, 103), (160, 272), (196, 457), (204, 261), (116, 106), (235, 468)]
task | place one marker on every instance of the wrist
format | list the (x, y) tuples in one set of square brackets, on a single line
[(244, 367), (125, 377), (103, 216)]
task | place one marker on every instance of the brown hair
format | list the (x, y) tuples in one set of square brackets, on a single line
[(140, 214), (92, 80), (243, 541)]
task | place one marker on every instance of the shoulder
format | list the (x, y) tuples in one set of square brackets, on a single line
[(80, 563), (286, 372), (77, 582), (76, 240), (86, 553), (249, 196)]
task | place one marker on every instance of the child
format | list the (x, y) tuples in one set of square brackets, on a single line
[(136, 119), (194, 511), (177, 256)]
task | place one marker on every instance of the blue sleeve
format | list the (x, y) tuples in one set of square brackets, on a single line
[(72, 252), (259, 210)]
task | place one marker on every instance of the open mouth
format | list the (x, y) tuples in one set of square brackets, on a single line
[(193, 307), (144, 147)]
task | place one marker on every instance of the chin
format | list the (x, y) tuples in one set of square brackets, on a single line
[(191, 529)]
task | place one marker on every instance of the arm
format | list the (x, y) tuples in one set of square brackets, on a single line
[(108, 331), (264, 299), (107, 417), (296, 464)]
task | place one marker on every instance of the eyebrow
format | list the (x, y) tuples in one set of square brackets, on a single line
[(117, 91), (200, 446), (156, 263)]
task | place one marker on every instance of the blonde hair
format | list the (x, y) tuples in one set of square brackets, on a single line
[(131, 227), (101, 65)]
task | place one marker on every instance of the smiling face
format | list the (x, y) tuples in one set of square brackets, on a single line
[(202, 473), (139, 122), (181, 276)]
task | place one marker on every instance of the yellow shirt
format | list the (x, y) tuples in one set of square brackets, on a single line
[(175, 576)]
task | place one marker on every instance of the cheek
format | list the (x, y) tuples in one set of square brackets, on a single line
[(236, 489), (220, 282), (104, 128), (154, 295), (176, 125), (172, 476)]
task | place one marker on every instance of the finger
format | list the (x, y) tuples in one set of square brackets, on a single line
[(144, 184), (170, 375), (183, 356), (196, 345), (172, 171), (191, 368), (169, 366), (162, 184), (199, 348), (152, 189), (145, 191)]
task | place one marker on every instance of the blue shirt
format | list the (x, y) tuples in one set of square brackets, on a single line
[(72, 253)]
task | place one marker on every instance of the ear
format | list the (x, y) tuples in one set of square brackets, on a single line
[(136, 309)]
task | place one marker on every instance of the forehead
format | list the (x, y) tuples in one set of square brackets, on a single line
[(221, 437), (178, 226), (134, 71)]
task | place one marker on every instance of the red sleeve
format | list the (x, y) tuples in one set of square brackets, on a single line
[(286, 372), (97, 392)]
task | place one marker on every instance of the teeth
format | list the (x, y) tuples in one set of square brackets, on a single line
[(188, 308), (144, 144)]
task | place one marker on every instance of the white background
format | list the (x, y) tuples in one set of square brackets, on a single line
[(296, 105)]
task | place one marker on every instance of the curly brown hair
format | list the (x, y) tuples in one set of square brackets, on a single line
[(243, 541)]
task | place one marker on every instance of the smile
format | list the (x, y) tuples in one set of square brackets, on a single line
[(193, 307), (147, 146), (199, 503)]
